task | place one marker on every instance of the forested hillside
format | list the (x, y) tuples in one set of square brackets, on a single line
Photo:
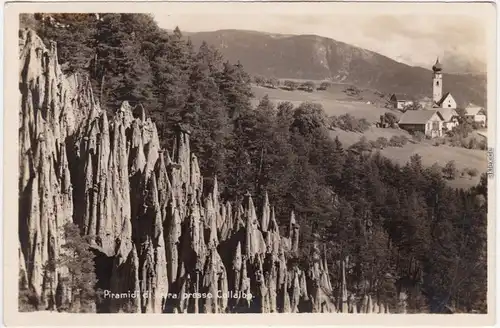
[(402, 228)]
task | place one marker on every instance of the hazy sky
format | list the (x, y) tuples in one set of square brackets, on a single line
[(413, 39)]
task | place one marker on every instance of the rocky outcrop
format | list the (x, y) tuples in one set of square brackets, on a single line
[(52, 107), (178, 249)]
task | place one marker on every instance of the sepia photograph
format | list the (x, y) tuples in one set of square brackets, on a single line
[(181, 161)]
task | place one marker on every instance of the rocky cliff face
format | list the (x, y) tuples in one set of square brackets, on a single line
[(153, 231)]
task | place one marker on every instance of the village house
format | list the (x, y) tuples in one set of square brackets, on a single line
[(450, 118), (426, 102), (474, 113), (400, 101), (429, 122)]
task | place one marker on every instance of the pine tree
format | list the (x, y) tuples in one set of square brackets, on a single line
[(204, 112), (284, 114), (74, 35), (122, 71), (171, 66), (234, 84), (79, 260)]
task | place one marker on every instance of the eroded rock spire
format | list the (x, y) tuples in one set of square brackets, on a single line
[(144, 209)]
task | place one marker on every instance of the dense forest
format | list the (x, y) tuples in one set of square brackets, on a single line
[(402, 227)]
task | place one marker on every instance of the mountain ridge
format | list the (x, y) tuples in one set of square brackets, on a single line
[(283, 35)]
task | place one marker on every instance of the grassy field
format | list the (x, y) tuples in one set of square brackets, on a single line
[(348, 138), (336, 102), (464, 158)]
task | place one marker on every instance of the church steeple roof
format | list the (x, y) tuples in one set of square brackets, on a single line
[(437, 66)]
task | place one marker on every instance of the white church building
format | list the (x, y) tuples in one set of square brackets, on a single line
[(444, 103)]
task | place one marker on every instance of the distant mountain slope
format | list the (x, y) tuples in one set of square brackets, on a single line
[(314, 57)]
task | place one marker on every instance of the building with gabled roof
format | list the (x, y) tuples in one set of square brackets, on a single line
[(450, 118), (474, 113), (428, 121), (400, 100)]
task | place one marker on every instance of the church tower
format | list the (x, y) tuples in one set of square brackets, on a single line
[(437, 81)]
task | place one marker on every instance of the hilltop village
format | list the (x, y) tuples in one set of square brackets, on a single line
[(434, 117)]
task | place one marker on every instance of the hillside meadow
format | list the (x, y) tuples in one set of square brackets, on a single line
[(336, 102)]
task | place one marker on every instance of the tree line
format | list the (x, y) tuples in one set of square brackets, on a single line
[(290, 85), (402, 228)]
